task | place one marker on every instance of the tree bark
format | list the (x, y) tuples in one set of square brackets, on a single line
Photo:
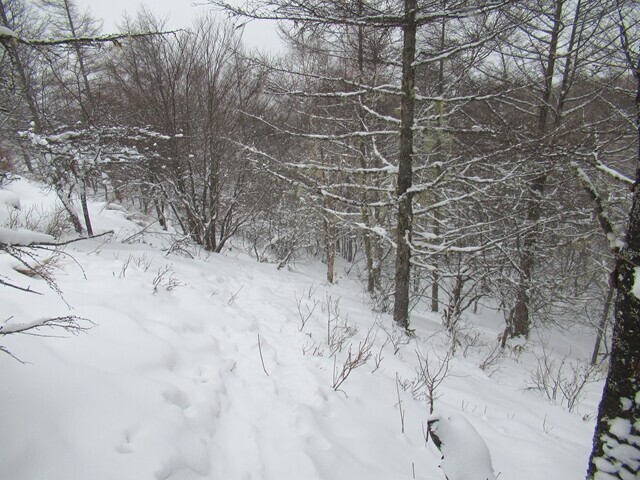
[(85, 208), (405, 169), (602, 325), (159, 205), (616, 451), (330, 241), (435, 287), (71, 210)]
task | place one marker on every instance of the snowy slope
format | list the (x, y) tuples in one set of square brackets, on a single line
[(205, 372)]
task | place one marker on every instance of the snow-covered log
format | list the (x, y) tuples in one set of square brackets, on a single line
[(23, 237)]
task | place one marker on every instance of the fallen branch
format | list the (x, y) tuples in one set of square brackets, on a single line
[(69, 323)]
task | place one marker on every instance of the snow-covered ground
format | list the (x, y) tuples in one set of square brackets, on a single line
[(200, 368)]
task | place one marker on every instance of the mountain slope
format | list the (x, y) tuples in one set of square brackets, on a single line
[(202, 368)]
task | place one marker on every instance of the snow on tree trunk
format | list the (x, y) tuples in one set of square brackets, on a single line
[(465, 455)]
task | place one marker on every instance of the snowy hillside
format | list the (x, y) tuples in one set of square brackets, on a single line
[(202, 366)]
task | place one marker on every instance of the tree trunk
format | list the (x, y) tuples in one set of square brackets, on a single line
[(602, 325), (368, 255), (405, 169), (160, 212), (521, 321), (435, 303), (440, 144), (71, 210), (85, 209), (616, 451), (330, 242), (369, 239), (521, 311)]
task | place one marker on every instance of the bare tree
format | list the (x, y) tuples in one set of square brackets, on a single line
[(190, 89), (553, 53)]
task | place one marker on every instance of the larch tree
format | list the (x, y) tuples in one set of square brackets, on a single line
[(405, 19), (551, 56)]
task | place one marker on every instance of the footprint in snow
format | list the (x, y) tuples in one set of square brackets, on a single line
[(126, 446), (176, 397), (202, 375)]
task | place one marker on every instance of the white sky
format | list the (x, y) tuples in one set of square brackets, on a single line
[(179, 14)]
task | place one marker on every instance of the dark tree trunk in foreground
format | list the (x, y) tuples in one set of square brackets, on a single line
[(614, 450), (405, 168), (616, 441)]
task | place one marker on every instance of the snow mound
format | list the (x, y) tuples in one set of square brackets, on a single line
[(465, 455)]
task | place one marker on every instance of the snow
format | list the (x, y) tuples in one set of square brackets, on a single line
[(619, 460), (10, 203), (169, 383), (622, 459), (22, 236), (10, 199), (7, 32), (614, 173), (635, 288), (615, 242), (620, 427), (465, 456)]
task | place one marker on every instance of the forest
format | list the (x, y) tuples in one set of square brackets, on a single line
[(457, 154)]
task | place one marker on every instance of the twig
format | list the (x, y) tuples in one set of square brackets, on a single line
[(139, 232), (399, 404), (17, 287), (261, 357), (68, 323), (4, 350), (233, 296)]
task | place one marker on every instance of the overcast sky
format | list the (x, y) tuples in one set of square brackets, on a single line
[(179, 14)]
